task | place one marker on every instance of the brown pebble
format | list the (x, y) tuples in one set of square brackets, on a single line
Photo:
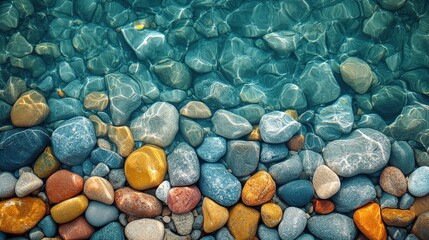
[(322, 206), (397, 217), (76, 229), (296, 143), (393, 181), (421, 226), (420, 205), (183, 199), (63, 185), (99, 189), (137, 204)]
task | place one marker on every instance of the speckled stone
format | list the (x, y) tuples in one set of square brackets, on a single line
[(325, 182), (420, 205), (183, 199), (421, 226), (243, 221), (418, 182), (183, 165), (323, 206), (215, 215), (7, 188), (137, 204), (183, 222), (113, 230), (292, 224), (99, 189), (393, 181), (29, 110), (76, 229), (150, 228), (27, 183), (46, 164), (63, 185), (70, 209), (332, 226), (258, 189), (242, 157), (212, 149), (271, 214)]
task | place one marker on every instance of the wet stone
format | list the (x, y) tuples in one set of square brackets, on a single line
[(243, 221), (334, 225), (278, 127), (99, 189), (230, 125), (283, 42), (32, 63), (18, 46), (296, 193), (258, 189), (273, 152), (418, 182), (388, 101), (13, 89), (9, 16), (326, 183), (100, 127), (242, 157), (112, 230), (96, 101), (150, 228), (110, 158), (402, 156), (196, 109), (66, 72), (48, 49), (69, 210), (286, 171), (212, 149), (252, 112), (293, 223), (202, 56), (191, 131), (63, 109), (122, 138), (357, 74), (183, 166), (29, 110), (292, 97), (173, 74), (393, 181), (215, 215)]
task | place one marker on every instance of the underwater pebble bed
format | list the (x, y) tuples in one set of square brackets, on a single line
[(205, 119)]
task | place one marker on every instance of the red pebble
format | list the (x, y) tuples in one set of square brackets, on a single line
[(323, 206), (183, 199), (63, 185), (137, 204), (76, 229)]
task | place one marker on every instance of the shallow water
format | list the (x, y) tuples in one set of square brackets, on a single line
[(340, 65)]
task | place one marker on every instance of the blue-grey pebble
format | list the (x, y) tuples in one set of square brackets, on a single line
[(372, 120), (195, 234), (219, 185), (117, 178), (7, 186), (388, 201), (266, 233), (113, 230), (87, 167), (191, 131), (63, 109), (20, 147), (278, 127), (354, 193), (411, 237), (292, 97), (48, 225), (310, 161), (209, 237), (397, 233), (198, 222), (242, 157), (108, 157), (252, 112), (74, 140), (78, 169), (36, 233), (99, 214), (305, 236), (273, 152), (223, 234), (332, 227), (183, 165), (212, 149), (313, 142), (296, 193), (3, 236), (406, 201), (418, 182), (293, 223), (402, 157), (230, 125), (287, 170), (100, 170)]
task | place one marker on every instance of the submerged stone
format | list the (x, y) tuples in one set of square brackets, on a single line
[(292, 97), (230, 125), (278, 127), (357, 74), (174, 74), (18, 46)]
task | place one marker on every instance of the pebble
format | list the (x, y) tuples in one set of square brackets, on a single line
[(7, 186), (163, 132), (27, 183), (266, 233), (367, 151), (146, 167), (215, 215), (29, 110), (418, 182), (369, 221), (406, 201), (278, 127), (357, 74), (183, 223), (74, 140), (293, 223), (63, 185), (98, 214), (420, 205), (421, 226), (224, 233), (35, 233), (76, 229), (273, 152), (230, 125), (96, 101), (286, 171), (191, 131), (219, 185), (258, 189), (151, 229), (137, 204), (292, 96), (183, 166), (100, 127), (68, 210), (393, 181), (314, 143), (271, 214), (212, 149), (397, 217), (48, 226), (107, 158), (332, 226), (122, 138), (196, 109), (296, 143), (162, 191), (243, 221), (388, 201), (183, 199), (46, 164), (325, 182), (99, 189), (117, 178), (113, 230), (242, 157), (354, 193), (100, 170), (401, 155), (254, 135), (32, 143), (323, 206), (296, 193), (19, 215)]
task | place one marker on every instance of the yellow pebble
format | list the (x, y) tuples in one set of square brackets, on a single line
[(397, 217), (46, 164), (69, 209), (368, 220), (293, 114), (60, 92), (146, 167), (29, 110), (271, 214), (258, 189), (215, 215), (100, 126), (19, 215), (122, 138), (243, 222), (254, 135), (139, 25)]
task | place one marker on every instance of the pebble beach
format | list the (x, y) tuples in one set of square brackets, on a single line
[(214, 119)]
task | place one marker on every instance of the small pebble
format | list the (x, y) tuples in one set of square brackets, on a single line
[(113, 230), (293, 223), (149, 228), (258, 189), (183, 223), (397, 217), (326, 182), (323, 206), (48, 225), (420, 205), (393, 181), (7, 186), (99, 214), (271, 214), (421, 226), (162, 191), (27, 183), (100, 170), (183, 199), (418, 182), (76, 229), (215, 215), (243, 221), (46, 164), (99, 189)]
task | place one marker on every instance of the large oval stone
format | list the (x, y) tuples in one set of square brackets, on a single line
[(183, 166), (332, 226), (63, 185), (29, 110), (137, 204), (183, 199), (151, 229), (325, 182), (354, 193), (357, 74), (68, 210), (18, 215), (146, 167), (230, 125), (363, 151), (258, 189)]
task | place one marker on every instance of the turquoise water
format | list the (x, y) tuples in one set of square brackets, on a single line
[(342, 65)]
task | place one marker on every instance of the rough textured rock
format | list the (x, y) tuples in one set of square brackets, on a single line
[(278, 127)]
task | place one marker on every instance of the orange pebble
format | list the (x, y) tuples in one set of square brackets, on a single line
[(322, 206), (296, 143), (368, 220), (397, 217)]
